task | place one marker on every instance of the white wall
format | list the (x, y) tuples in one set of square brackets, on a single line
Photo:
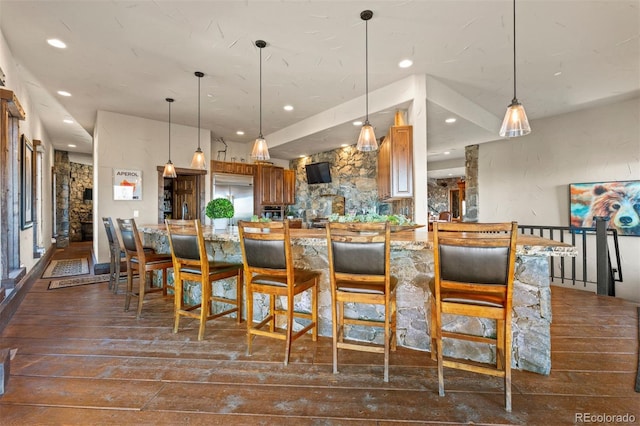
[(33, 128), (526, 179), (126, 142)]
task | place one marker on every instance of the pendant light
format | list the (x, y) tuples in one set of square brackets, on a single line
[(515, 121), (367, 140), (169, 168), (197, 162), (260, 150)]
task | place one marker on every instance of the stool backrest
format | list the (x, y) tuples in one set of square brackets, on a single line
[(186, 239), (266, 245), (130, 239), (359, 248)]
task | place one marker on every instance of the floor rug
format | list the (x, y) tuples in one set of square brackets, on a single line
[(66, 268), (73, 282)]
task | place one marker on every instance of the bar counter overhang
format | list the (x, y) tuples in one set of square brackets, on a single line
[(412, 263)]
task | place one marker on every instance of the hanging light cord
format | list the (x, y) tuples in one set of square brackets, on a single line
[(260, 92), (515, 98), (199, 78), (366, 68), (169, 128)]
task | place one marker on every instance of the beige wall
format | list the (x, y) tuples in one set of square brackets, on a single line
[(33, 128), (527, 178), (127, 142)]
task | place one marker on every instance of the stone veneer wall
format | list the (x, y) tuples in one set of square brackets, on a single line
[(79, 210), (62, 170), (471, 179), (353, 176), (438, 194)]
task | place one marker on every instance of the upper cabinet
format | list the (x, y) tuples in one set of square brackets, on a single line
[(395, 164), (268, 185), (235, 168)]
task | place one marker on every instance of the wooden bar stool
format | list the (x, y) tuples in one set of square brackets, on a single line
[(269, 269), (142, 262), (191, 263), (474, 272), (359, 271)]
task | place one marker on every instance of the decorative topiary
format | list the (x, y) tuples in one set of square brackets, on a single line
[(220, 208)]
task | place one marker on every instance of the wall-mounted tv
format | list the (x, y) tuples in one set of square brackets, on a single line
[(318, 173)]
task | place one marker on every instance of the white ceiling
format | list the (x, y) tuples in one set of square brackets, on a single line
[(127, 57)]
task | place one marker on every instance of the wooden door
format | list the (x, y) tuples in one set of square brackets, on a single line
[(185, 190)]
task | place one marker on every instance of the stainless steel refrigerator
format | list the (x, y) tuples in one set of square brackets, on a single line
[(239, 190)]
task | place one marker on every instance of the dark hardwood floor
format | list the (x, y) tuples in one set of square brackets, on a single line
[(82, 360)]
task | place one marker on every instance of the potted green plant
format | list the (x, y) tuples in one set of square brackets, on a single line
[(220, 210)]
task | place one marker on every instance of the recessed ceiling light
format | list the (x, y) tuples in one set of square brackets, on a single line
[(446, 153), (288, 108), (302, 155), (450, 174), (240, 132), (71, 145), (405, 63), (557, 73), (357, 123), (57, 43), (68, 120), (63, 93), (344, 145), (450, 120)]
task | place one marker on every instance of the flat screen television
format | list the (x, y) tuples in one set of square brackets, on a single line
[(318, 173)]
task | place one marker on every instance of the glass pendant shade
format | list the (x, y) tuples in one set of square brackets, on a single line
[(169, 170), (515, 121), (260, 149), (367, 140), (198, 162)]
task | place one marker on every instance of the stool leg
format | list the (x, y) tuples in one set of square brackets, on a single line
[(239, 281), (177, 298), (127, 298), (143, 284)]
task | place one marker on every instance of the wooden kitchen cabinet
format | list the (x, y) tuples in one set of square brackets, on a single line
[(289, 187), (232, 167), (268, 185), (395, 164)]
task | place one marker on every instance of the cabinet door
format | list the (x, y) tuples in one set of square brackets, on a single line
[(217, 166), (289, 187), (384, 172), (277, 185), (402, 161), (265, 185)]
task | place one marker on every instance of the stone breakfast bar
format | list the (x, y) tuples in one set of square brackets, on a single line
[(412, 263)]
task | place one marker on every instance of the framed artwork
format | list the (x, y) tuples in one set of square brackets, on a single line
[(127, 185), (26, 181), (618, 200)]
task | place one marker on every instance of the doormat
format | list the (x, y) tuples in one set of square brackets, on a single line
[(66, 268), (73, 282)]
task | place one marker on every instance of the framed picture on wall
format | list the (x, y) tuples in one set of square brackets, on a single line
[(26, 183), (127, 184), (617, 200)]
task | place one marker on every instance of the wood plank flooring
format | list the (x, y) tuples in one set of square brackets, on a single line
[(82, 360)]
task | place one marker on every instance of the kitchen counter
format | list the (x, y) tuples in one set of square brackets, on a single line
[(412, 263)]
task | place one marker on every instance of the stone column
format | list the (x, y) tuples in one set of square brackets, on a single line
[(471, 177), (62, 170)]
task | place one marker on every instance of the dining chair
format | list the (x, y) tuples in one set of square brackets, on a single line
[(143, 262), (191, 263), (115, 253), (269, 270), (444, 216), (359, 272), (474, 272)]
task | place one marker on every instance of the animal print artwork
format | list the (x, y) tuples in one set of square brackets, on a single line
[(619, 201)]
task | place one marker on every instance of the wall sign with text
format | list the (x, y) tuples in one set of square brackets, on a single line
[(127, 184)]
